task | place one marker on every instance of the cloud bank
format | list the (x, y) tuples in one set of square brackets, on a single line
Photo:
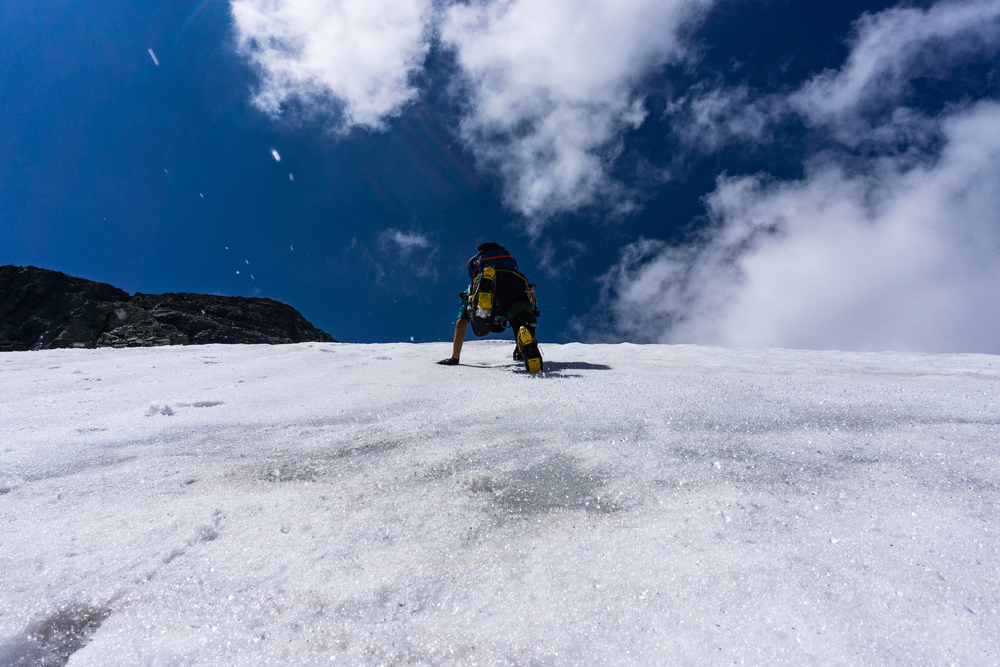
[(905, 259), (547, 88), (891, 241)]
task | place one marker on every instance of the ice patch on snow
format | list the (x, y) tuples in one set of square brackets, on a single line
[(51, 641), (556, 483)]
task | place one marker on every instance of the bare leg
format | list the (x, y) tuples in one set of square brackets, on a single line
[(460, 328)]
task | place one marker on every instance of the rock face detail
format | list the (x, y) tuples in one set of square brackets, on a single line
[(42, 309)]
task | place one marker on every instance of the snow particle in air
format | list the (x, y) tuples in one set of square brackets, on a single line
[(291, 248), (277, 157), (237, 273), (291, 177), (201, 195), (153, 56)]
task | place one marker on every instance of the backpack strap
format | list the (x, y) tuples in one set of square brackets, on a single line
[(486, 259)]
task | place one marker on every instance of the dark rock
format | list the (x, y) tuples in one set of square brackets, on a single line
[(41, 309)]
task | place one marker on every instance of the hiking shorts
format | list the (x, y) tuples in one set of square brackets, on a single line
[(463, 310)]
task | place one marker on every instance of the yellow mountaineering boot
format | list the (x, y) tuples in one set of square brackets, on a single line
[(529, 350)]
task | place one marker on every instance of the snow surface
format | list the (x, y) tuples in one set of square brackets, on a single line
[(634, 505)]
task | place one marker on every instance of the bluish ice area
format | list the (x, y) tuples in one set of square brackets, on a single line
[(633, 505)]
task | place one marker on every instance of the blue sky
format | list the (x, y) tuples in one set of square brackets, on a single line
[(738, 173)]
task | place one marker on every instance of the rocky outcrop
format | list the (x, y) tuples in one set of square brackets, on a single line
[(42, 309)]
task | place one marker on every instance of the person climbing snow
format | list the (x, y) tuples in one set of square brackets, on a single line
[(498, 295)]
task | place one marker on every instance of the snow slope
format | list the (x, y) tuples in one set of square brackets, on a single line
[(634, 505)]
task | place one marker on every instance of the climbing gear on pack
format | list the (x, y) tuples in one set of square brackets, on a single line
[(483, 307), (484, 293), (529, 289)]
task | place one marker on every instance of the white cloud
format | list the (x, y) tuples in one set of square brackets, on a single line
[(711, 116), (864, 101), (354, 57), (889, 50), (405, 242), (552, 87), (896, 258), (411, 254)]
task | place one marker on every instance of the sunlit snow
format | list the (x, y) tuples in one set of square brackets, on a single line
[(633, 505)]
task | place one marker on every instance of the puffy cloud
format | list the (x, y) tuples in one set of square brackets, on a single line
[(552, 86), (353, 59), (897, 257)]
